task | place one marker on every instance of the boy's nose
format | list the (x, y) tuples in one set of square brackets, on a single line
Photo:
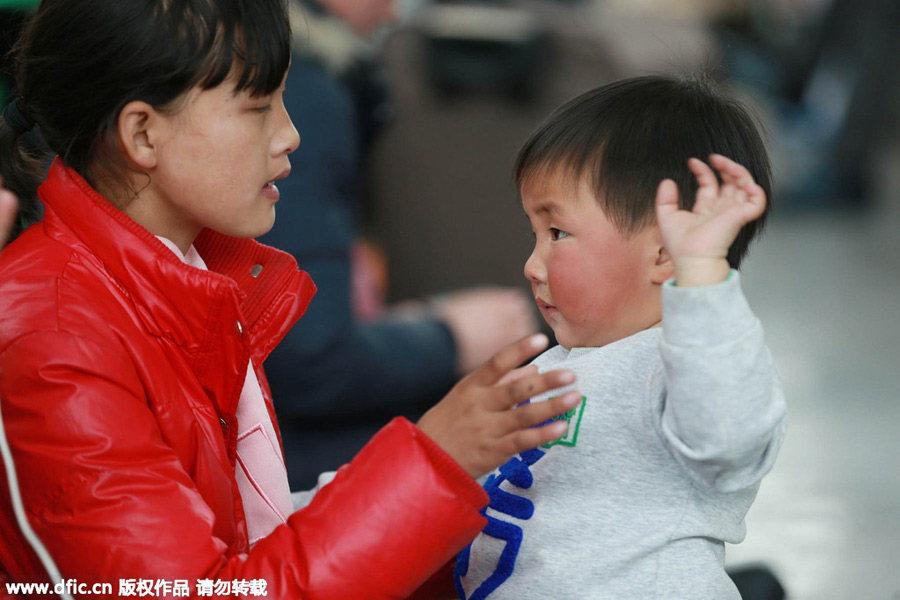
[(534, 268)]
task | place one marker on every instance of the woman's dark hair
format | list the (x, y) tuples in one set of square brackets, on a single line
[(628, 136), (79, 62)]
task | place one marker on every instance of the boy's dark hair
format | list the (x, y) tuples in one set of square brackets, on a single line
[(79, 62), (628, 136)]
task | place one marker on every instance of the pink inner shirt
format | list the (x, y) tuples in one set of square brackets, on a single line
[(260, 471)]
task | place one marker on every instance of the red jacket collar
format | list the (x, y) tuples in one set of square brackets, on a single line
[(175, 299)]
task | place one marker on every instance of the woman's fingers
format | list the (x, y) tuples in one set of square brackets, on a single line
[(525, 430), (528, 439), (536, 413), (508, 358), (482, 422), (518, 374), (526, 387)]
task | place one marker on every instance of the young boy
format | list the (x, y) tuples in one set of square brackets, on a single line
[(636, 246)]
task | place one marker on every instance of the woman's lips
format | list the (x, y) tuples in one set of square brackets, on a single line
[(270, 191)]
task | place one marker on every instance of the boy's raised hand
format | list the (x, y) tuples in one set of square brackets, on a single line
[(698, 240), (480, 424)]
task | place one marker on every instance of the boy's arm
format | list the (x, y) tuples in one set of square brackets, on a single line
[(724, 416)]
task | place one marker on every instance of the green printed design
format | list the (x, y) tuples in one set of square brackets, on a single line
[(571, 436)]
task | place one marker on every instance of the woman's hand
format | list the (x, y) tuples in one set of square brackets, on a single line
[(480, 423)]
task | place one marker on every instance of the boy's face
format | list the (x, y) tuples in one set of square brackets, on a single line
[(592, 284)]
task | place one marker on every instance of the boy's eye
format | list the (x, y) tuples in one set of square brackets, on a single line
[(263, 109), (557, 234)]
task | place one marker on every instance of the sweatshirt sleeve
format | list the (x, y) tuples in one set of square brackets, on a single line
[(724, 416)]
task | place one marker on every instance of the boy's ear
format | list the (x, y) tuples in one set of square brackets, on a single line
[(662, 268), (137, 127)]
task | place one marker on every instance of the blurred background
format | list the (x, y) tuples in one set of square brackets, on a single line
[(467, 81)]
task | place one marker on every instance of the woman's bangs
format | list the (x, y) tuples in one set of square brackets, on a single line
[(251, 38)]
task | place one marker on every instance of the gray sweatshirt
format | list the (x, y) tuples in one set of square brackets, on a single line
[(659, 467)]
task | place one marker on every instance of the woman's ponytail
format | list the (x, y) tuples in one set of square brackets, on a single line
[(21, 165)]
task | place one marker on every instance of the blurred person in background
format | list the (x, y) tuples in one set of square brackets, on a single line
[(12, 18), (13, 15), (354, 363), (828, 69), (7, 214)]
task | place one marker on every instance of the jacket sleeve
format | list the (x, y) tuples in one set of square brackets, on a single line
[(110, 499), (724, 416)]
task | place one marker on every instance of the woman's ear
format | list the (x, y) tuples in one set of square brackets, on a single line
[(138, 129)]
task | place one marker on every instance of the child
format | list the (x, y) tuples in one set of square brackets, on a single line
[(683, 413), (135, 318)]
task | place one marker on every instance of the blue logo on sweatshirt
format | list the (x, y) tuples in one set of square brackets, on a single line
[(517, 472)]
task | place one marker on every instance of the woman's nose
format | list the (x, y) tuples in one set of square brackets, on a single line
[(288, 139), (293, 137)]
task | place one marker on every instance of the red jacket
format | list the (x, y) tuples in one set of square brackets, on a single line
[(120, 371)]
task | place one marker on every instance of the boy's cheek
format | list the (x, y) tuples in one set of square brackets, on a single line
[(570, 289)]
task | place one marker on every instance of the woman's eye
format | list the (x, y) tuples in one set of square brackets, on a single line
[(557, 234)]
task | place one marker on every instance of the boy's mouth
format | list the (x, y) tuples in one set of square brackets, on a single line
[(544, 306)]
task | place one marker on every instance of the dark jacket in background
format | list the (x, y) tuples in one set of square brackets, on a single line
[(336, 380)]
